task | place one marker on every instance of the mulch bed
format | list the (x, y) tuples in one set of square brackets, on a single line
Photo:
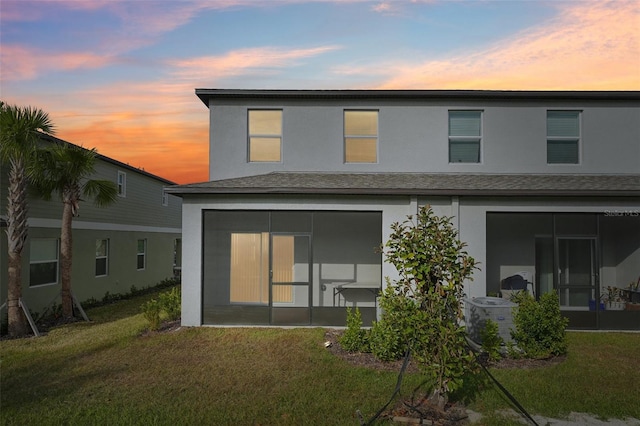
[(422, 410)]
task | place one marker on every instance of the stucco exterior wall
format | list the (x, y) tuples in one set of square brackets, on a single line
[(414, 138)]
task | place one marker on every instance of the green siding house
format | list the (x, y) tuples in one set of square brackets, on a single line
[(133, 242)]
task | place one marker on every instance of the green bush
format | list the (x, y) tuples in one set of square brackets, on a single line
[(354, 338), (166, 306), (424, 305), (395, 330), (539, 326), (384, 341), (491, 340), (170, 303), (151, 311)]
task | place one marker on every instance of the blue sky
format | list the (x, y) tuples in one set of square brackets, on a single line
[(120, 75)]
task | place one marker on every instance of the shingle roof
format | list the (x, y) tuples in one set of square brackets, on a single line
[(420, 184)]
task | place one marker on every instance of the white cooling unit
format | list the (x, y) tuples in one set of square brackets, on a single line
[(478, 310)]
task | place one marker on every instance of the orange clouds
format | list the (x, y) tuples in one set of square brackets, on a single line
[(589, 46), (240, 61), (22, 63)]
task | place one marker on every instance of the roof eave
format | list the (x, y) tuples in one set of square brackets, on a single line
[(179, 191), (206, 94)]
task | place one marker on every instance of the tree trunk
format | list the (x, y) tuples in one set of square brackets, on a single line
[(66, 250), (16, 236), (438, 398)]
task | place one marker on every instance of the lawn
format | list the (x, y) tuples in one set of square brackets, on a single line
[(108, 372)]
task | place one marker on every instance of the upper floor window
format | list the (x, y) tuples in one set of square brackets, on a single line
[(361, 136), (122, 184), (165, 198), (142, 254), (465, 135), (265, 135), (563, 137), (43, 261), (102, 257)]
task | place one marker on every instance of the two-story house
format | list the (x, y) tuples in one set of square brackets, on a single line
[(132, 242), (305, 185)]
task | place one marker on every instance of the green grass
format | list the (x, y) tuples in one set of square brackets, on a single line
[(106, 372), (600, 376)]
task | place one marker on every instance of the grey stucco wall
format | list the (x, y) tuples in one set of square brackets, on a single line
[(414, 138)]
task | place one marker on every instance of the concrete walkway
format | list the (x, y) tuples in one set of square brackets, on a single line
[(574, 419)]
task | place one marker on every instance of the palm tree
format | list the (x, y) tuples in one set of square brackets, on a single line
[(64, 168), (20, 129)]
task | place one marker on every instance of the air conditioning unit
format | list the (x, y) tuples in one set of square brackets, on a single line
[(478, 310)]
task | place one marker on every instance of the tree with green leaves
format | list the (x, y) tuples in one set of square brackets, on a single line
[(424, 305), (20, 131), (65, 169)]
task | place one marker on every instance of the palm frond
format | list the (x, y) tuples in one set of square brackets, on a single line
[(103, 192)]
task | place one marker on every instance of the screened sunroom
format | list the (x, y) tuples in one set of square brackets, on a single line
[(290, 267), (592, 260)]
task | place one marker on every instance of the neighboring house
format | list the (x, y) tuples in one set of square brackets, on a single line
[(132, 242), (305, 186)]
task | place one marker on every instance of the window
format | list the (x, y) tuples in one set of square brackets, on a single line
[(361, 136), (265, 135), (122, 184), (43, 261), (142, 254), (102, 258), (165, 198), (563, 137), (465, 135)]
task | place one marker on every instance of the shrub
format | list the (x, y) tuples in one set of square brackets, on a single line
[(391, 335), (170, 303), (151, 311), (167, 303), (384, 342), (491, 340), (355, 338), (539, 326)]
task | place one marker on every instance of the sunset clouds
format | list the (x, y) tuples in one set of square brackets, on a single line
[(120, 75), (588, 46), (244, 61)]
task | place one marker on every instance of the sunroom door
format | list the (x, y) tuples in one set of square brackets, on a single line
[(577, 276), (290, 279)]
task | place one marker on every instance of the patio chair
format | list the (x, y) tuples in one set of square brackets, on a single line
[(515, 284)]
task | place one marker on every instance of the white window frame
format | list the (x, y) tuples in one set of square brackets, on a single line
[(105, 256), (466, 138), (122, 184), (264, 135), (347, 136), (56, 260), (142, 253), (577, 138)]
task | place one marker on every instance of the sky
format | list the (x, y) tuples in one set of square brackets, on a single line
[(120, 76)]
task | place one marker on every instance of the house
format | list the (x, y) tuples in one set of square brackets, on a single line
[(305, 184), (132, 242)]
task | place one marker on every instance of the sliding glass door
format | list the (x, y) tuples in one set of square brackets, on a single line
[(577, 272)]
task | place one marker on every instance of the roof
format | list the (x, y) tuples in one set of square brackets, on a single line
[(110, 160), (627, 185), (563, 95)]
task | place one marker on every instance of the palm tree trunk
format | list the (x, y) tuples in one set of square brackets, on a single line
[(16, 236), (66, 250)]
